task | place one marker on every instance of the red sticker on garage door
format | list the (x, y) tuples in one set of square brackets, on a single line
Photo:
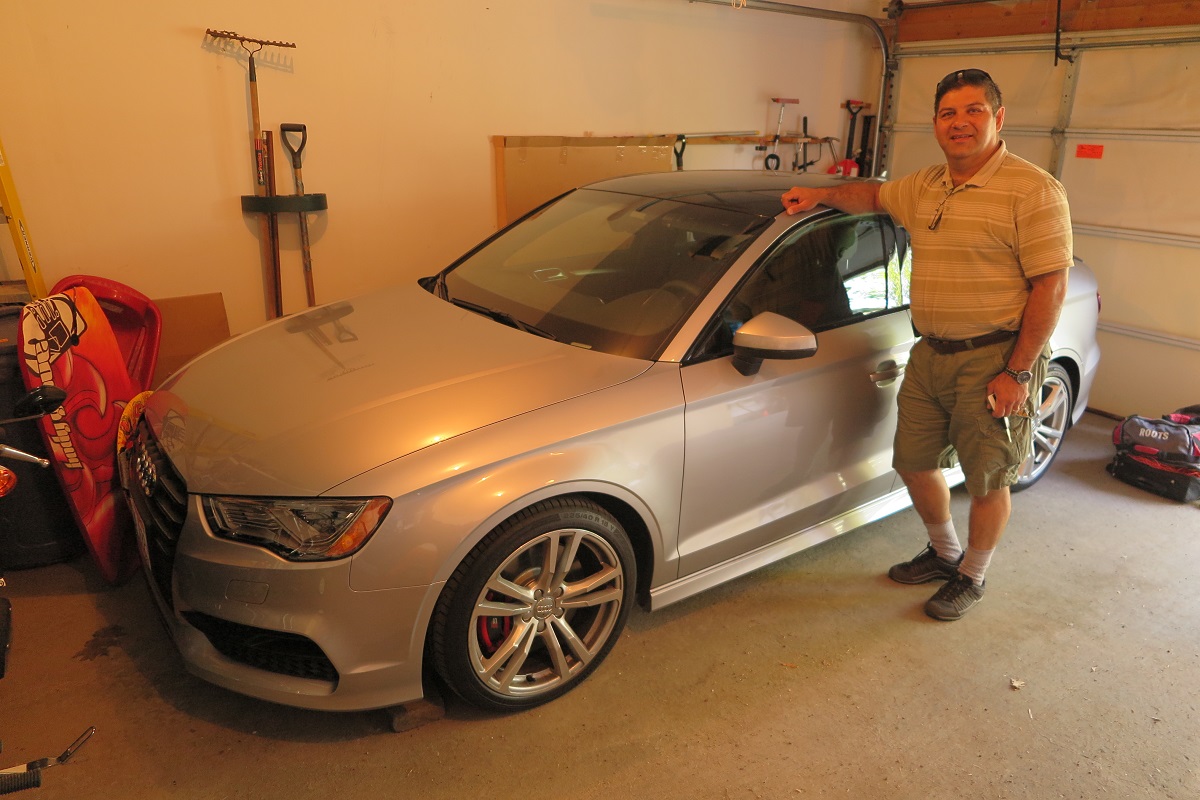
[(1089, 151)]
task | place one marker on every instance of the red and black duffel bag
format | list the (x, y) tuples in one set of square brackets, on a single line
[(1160, 455)]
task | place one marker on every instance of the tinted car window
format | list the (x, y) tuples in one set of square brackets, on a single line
[(876, 272), (605, 271), (823, 275)]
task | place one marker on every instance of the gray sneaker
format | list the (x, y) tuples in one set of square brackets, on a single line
[(954, 599), (927, 566)]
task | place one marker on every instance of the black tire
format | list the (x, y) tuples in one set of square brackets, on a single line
[(1053, 420), (544, 633)]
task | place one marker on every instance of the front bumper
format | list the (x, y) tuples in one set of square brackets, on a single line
[(250, 621), (299, 637)]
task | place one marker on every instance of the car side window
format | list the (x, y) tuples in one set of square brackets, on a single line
[(876, 274), (824, 276)]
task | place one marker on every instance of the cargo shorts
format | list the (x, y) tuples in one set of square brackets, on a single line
[(943, 416)]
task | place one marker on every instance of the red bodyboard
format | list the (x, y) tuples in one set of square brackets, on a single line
[(134, 318), (67, 342)]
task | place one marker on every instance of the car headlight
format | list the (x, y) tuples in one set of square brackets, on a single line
[(299, 529)]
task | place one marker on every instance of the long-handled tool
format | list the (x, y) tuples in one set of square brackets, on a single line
[(772, 160), (29, 775), (276, 293), (263, 169), (801, 163), (849, 165), (296, 151)]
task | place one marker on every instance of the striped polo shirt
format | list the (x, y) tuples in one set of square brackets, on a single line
[(1008, 223)]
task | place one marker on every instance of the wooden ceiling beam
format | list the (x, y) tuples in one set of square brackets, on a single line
[(1024, 17)]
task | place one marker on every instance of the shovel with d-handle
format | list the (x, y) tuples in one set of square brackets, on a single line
[(296, 150)]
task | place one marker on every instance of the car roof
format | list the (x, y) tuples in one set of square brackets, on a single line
[(754, 192)]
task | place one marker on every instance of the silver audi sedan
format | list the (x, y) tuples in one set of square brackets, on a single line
[(642, 389)]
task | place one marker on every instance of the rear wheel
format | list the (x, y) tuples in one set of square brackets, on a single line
[(535, 607), (1053, 418)]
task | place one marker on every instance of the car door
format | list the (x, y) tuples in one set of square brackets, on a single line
[(802, 441)]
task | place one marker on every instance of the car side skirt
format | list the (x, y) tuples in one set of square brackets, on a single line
[(697, 582)]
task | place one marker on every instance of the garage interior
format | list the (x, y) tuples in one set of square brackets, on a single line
[(125, 134)]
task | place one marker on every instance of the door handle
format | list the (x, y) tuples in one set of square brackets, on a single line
[(888, 372)]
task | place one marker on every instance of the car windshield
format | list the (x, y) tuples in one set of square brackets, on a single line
[(602, 270)]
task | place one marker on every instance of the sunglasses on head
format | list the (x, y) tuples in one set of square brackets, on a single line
[(965, 76)]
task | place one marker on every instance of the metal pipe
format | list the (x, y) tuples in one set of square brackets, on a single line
[(837, 16), (819, 13)]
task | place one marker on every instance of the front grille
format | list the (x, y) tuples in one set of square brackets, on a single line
[(158, 495), (273, 651)]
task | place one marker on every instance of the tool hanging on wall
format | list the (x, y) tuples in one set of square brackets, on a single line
[(772, 159), (723, 137), (848, 166), (304, 202), (264, 169), (10, 206), (800, 162), (275, 295)]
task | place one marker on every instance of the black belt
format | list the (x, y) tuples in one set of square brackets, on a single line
[(948, 346)]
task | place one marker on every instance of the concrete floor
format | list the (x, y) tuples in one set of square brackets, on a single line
[(818, 677)]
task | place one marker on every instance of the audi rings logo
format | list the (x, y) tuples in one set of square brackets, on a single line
[(143, 467)]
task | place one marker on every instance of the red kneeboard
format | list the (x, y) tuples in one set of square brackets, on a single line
[(134, 318), (68, 342)]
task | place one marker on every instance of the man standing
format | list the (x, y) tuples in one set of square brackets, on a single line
[(991, 237)]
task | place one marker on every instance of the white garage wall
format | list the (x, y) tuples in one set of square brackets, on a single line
[(127, 130), (1133, 209)]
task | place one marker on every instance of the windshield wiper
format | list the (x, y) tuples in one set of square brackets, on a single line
[(504, 317)]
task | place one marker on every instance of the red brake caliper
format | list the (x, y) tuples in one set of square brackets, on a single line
[(493, 630)]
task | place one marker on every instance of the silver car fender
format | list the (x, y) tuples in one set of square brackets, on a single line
[(429, 533), (453, 493)]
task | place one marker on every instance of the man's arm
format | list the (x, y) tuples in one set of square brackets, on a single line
[(1037, 323), (853, 198)]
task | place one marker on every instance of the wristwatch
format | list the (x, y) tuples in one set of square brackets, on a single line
[(1023, 377)]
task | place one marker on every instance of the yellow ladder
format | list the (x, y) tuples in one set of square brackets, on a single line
[(10, 207)]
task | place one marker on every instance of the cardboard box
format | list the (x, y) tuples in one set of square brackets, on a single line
[(190, 325)]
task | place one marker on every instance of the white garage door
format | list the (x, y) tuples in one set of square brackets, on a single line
[(1120, 127)]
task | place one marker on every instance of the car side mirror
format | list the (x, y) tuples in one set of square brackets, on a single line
[(770, 335)]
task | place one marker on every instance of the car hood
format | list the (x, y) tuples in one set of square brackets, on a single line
[(305, 403)]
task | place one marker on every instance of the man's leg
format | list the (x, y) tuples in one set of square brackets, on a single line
[(931, 498), (930, 494), (989, 516)]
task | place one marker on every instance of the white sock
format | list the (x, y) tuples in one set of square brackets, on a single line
[(975, 563), (945, 540)]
